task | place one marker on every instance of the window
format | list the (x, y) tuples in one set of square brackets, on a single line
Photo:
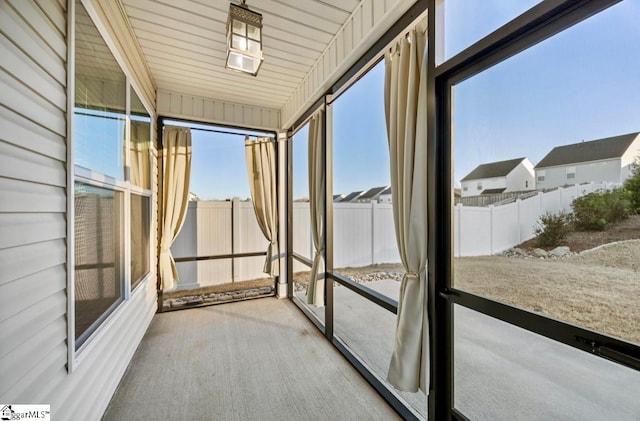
[(466, 22), (140, 241), (302, 237), (500, 265), (526, 184), (479, 186), (99, 267), (140, 144), (365, 249), (465, 188), (112, 189), (220, 221)]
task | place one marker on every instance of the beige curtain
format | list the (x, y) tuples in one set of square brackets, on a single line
[(315, 288), (176, 164), (405, 108), (140, 162), (261, 168)]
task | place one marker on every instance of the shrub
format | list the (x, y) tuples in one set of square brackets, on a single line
[(551, 230), (595, 211), (632, 186)]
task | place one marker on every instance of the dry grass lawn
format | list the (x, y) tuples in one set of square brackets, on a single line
[(599, 290)]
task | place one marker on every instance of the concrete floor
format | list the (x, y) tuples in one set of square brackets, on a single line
[(252, 360), (502, 372), (264, 360)]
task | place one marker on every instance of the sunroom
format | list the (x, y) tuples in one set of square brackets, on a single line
[(183, 232)]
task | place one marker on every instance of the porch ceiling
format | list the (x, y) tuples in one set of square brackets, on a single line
[(184, 44)]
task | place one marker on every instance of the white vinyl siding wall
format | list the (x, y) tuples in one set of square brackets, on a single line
[(33, 277), (191, 107), (586, 172), (33, 230), (368, 22), (486, 183)]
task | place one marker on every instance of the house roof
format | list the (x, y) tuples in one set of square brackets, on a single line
[(493, 169), (593, 150), (351, 196), (372, 192), (385, 191), (493, 191)]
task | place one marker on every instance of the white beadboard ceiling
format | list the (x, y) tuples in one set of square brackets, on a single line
[(184, 44)]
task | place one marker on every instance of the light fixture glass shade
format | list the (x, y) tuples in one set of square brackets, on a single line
[(244, 39)]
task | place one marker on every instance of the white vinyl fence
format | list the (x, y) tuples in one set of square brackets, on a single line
[(363, 233), (481, 231), (215, 228)]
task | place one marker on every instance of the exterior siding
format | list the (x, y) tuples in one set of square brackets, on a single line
[(597, 171), (367, 23), (191, 107), (487, 183), (33, 230), (33, 276), (630, 158), (521, 178)]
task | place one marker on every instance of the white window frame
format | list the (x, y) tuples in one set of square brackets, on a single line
[(85, 175)]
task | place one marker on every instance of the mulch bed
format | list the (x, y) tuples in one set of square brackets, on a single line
[(578, 241)]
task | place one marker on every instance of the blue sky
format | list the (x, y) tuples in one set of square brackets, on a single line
[(582, 84), (218, 168)]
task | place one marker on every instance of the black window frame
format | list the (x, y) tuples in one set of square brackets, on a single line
[(542, 21), (537, 24)]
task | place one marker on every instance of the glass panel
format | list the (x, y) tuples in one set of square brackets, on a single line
[(140, 232), (239, 27), (254, 47), (243, 63), (238, 42), (569, 102), (302, 239), (468, 21), (220, 218), (504, 372), (100, 102), (364, 240), (369, 330), (98, 225), (253, 32), (139, 153)]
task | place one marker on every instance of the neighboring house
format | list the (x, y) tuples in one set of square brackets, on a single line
[(602, 160), (499, 177), (370, 195), (351, 197), (193, 197), (338, 197), (385, 196)]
